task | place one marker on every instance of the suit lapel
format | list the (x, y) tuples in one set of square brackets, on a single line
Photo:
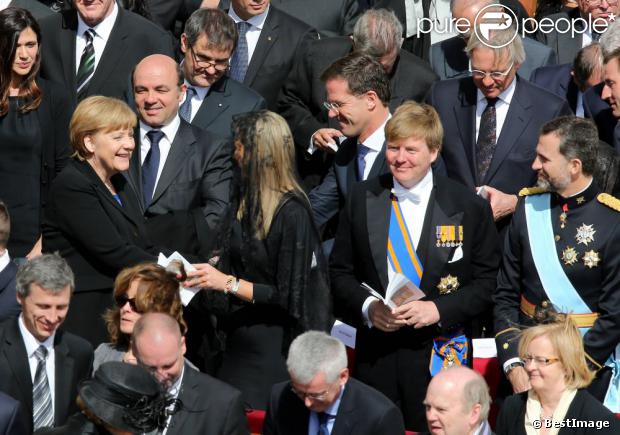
[(180, 150), (571, 95), (15, 353), (67, 39), (379, 166), (64, 370), (215, 103), (465, 115), (134, 174), (518, 117), (189, 398), (112, 55), (378, 211), (344, 420), (266, 40)]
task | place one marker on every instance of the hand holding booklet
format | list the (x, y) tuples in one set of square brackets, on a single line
[(400, 291), (186, 293)]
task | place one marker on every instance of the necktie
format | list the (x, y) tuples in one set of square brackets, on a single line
[(185, 111), (150, 166), (42, 413), (324, 418), (487, 140), (362, 150), (87, 65), (240, 59), (401, 193)]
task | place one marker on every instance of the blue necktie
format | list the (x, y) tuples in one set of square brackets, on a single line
[(185, 111), (240, 59), (362, 150), (150, 166), (324, 418)]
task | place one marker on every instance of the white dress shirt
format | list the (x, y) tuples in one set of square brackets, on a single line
[(32, 344), (374, 143), (4, 4), (501, 108), (438, 12), (579, 111), (414, 212), (174, 391), (102, 30), (201, 94), (257, 22), (313, 419), (5, 259), (169, 131)]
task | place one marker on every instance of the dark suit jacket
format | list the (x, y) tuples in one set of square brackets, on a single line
[(87, 226), (74, 360), (167, 13), (328, 198), (11, 419), (132, 39), (37, 9), (225, 99), (302, 97), (282, 37), (557, 79), (449, 59), (599, 111), (362, 411), (511, 420), (8, 302), (192, 192), (511, 167), (564, 44), (209, 407)]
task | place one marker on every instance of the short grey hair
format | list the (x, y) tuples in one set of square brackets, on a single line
[(313, 352), (476, 391), (49, 271), (218, 26), (500, 38), (377, 32), (610, 40), (588, 60)]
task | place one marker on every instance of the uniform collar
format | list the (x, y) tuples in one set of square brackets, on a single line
[(577, 200)]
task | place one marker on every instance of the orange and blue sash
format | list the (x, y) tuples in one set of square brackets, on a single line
[(401, 250)]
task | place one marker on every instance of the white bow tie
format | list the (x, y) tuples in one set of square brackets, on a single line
[(403, 194)]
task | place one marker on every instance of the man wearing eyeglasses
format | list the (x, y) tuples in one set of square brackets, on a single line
[(322, 399), (491, 121), (560, 255), (588, 21), (212, 98)]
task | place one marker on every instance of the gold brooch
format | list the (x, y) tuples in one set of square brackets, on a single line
[(569, 256), (581, 200), (448, 284), (585, 234), (591, 259)]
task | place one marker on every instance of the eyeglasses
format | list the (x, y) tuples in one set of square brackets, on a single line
[(332, 106), (539, 360), (495, 75), (597, 3), (313, 396), (123, 299), (219, 65)]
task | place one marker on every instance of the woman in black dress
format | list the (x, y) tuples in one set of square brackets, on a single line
[(34, 119), (270, 284)]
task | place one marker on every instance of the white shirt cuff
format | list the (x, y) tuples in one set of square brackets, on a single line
[(311, 149), (510, 361), (365, 308)]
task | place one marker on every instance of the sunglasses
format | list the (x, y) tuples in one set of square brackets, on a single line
[(123, 299)]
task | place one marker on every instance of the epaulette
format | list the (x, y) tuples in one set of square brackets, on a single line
[(526, 191), (609, 200)]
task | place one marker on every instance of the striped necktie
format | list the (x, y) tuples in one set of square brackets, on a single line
[(241, 58), (87, 65), (42, 411), (487, 139), (185, 111)]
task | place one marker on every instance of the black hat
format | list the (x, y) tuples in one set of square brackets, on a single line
[(126, 397)]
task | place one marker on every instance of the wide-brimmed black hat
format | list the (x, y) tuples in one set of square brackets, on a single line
[(126, 397)]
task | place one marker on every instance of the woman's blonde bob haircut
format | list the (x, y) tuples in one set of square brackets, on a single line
[(98, 114), (567, 343), (418, 121)]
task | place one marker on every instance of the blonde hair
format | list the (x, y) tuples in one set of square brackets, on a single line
[(268, 164), (567, 343), (98, 114), (419, 121)]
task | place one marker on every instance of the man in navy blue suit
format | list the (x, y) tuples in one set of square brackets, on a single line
[(8, 269)]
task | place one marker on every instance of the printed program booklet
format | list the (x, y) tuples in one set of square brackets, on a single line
[(400, 290)]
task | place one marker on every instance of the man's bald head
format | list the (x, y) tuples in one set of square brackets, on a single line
[(466, 11), (158, 327), (158, 88)]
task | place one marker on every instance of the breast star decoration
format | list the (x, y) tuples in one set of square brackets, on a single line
[(591, 259), (585, 234), (569, 256)]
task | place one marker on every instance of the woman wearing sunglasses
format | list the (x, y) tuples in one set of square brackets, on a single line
[(557, 403), (144, 288)]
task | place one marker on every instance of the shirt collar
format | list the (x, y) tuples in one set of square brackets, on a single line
[(257, 21), (103, 29), (333, 408), (175, 388), (31, 343), (169, 130), (201, 91), (505, 95), (376, 140), (5, 259)]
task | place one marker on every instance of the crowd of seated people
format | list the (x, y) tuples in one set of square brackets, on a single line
[(399, 169)]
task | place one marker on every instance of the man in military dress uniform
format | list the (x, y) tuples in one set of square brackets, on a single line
[(561, 254)]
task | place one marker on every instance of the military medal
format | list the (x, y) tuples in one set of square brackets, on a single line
[(449, 236), (585, 234), (581, 200), (569, 256), (563, 216), (448, 284), (591, 259)]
